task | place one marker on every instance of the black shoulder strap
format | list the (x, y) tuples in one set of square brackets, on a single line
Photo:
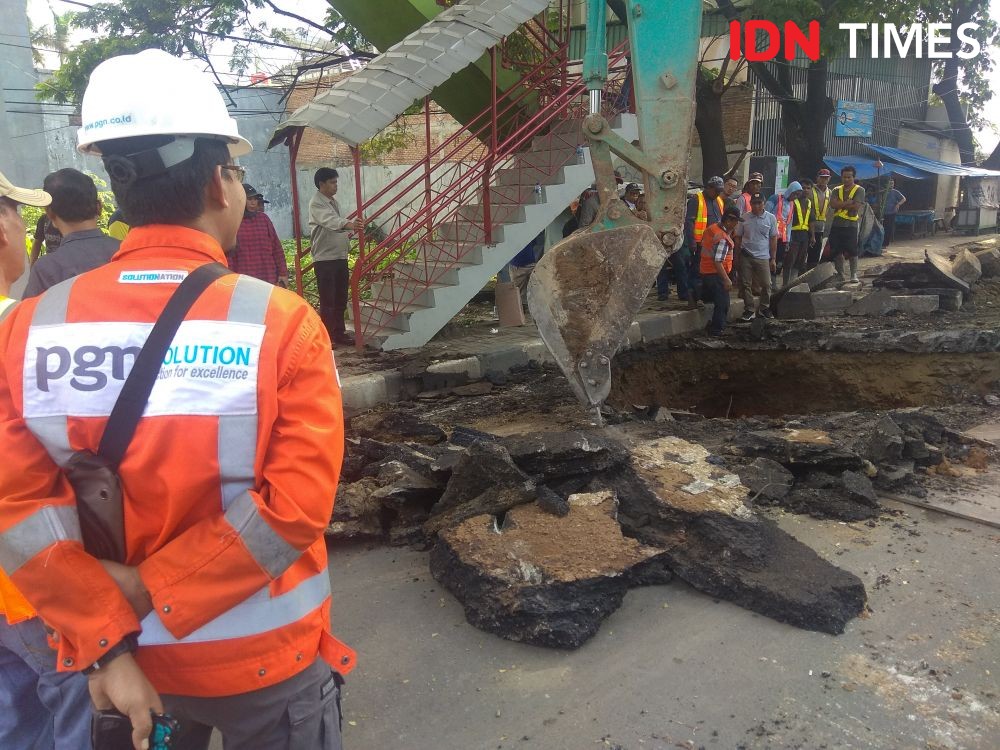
[(132, 400)]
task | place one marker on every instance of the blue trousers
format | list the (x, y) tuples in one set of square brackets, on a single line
[(681, 262), (713, 291), (39, 707)]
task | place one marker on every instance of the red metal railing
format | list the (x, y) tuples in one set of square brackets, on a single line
[(434, 215)]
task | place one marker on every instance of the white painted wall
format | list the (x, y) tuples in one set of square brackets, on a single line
[(941, 149)]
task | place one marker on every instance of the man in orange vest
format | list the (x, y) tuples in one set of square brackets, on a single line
[(716, 265), (40, 707), (220, 613), (750, 189)]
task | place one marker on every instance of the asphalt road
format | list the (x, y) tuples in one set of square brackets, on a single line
[(674, 668)]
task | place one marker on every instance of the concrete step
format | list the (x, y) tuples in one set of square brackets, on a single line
[(549, 159), (500, 213), (466, 231), (527, 175), (435, 272), (450, 253), (558, 141), (390, 292), (514, 194)]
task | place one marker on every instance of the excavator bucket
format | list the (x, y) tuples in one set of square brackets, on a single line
[(584, 294)]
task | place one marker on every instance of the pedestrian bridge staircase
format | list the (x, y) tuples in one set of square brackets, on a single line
[(414, 298), (436, 235)]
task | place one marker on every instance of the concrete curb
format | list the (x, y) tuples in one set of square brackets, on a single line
[(363, 392)]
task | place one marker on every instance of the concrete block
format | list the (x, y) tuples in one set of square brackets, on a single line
[(634, 336), (950, 299), (940, 270), (917, 304), (686, 321), (362, 392), (877, 303), (966, 266), (736, 308), (656, 327), (989, 262), (469, 366), (815, 279), (831, 302), (503, 360), (796, 304), (536, 351)]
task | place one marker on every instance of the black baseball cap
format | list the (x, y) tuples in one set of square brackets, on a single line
[(253, 192), (633, 187), (757, 198), (731, 213)]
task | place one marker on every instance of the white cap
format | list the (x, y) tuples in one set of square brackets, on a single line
[(154, 93)]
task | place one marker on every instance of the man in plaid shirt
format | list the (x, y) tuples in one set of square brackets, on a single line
[(258, 249)]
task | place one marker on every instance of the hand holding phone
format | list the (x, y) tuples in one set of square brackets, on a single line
[(112, 730)]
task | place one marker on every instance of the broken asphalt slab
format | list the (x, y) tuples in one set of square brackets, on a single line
[(671, 497), (542, 579)]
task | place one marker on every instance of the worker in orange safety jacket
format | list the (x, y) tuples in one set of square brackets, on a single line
[(220, 614), (40, 707)]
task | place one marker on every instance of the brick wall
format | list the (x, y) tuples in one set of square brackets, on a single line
[(737, 104)]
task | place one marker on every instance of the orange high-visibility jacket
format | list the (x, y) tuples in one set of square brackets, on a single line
[(229, 480)]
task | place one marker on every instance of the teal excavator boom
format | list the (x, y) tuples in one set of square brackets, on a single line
[(586, 291)]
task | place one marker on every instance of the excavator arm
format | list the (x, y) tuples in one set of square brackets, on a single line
[(586, 291)]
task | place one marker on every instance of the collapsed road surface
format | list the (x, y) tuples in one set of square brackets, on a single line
[(714, 477)]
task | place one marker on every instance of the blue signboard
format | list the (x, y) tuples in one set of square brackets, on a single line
[(854, 118)]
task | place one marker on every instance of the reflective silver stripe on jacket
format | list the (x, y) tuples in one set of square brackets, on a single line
[(253, 616), (268, 548), (238, 433), (43, 528), (52, 432)]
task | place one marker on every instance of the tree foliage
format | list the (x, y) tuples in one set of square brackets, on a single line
[(184, 27)]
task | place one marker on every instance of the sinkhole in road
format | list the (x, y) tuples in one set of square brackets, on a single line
[(746, 382)]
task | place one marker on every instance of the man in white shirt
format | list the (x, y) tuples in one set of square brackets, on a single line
[(329, 247), (756, 252)]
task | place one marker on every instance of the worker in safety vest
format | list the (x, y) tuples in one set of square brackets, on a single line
[(716, 267), (800, 235), (40, 707), (220, 614), (780, 204), (820, 216), (847, 201), (750, 189), (704, 209)]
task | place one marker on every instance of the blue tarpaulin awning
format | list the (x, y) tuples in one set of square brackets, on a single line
[(867, 170), (931, 166)]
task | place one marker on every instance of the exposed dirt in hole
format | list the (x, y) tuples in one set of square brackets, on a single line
[(731, 384)]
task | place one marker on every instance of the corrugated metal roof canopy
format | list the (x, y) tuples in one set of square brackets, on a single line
[(358, 107), (867, 170), (933, 166)]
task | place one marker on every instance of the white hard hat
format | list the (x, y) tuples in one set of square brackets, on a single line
[(154, 93)]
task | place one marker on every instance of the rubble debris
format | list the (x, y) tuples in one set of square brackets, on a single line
[(400, 484), (886, 442), (485, 480), (906, 276), (941, 271), (949, 300), (557, 455), (914, 304), (397, 426), (799, 450), (873, 305), (356, 514), (989, 262), (551, 501), (766, 479), (671, 497), (464, 436), (800, 302), (480, 388), (966, 266), (542, 579), (815, 279)]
